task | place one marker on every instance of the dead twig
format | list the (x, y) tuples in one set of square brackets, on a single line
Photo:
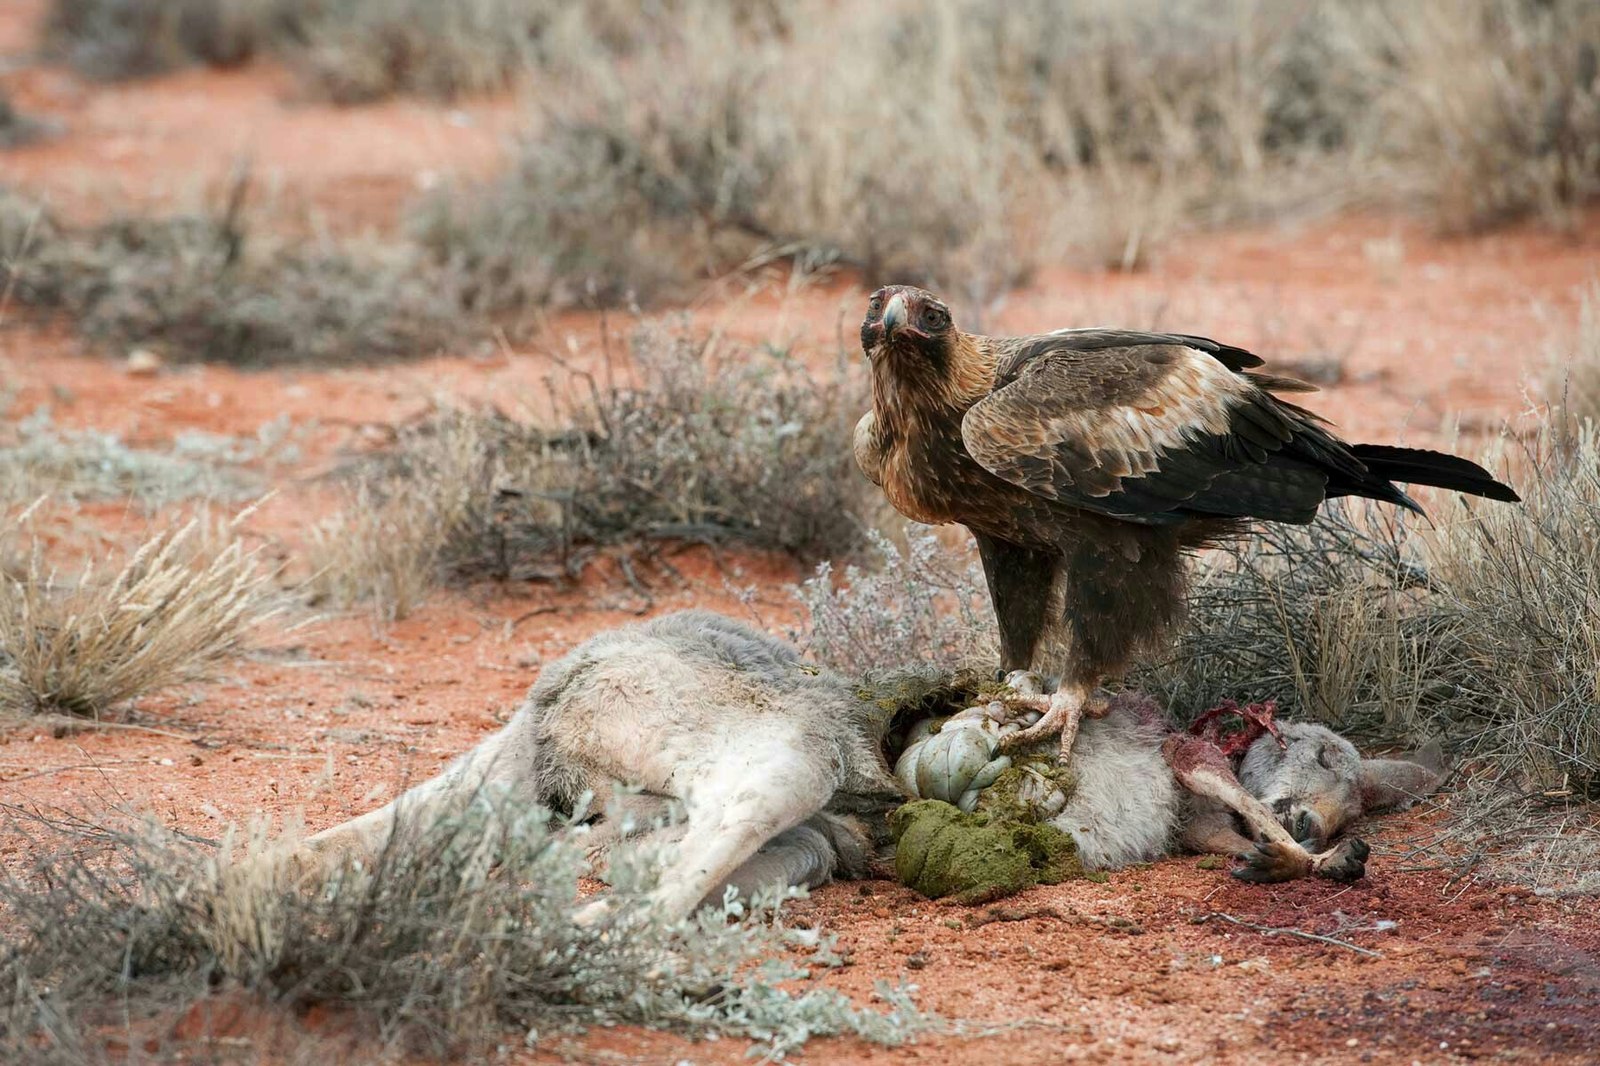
[(1274, 930), (69, 767)]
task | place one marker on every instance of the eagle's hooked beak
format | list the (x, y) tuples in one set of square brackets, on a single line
[(894, 315)]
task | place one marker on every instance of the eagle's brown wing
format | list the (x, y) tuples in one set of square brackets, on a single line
[(1156, 429)]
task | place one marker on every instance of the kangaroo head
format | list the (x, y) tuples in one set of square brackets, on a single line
[(1320, 783)]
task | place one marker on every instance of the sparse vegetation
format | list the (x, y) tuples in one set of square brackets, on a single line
[(38, 458), (693, 438), (920, 604), (963, 145), (134, 38), (967, 144), (1484, 112), (206, 287), (457, 939), (184, 600), (347, 52)]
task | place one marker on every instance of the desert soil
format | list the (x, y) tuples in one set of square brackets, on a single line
[(1431, 340)]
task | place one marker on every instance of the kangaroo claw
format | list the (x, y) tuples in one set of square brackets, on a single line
[(1271, 862), (1345, 861)]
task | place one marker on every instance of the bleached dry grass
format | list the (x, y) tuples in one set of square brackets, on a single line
[(456, 939), (961, 145), (184, 600), (1489, 111), (387, 546)]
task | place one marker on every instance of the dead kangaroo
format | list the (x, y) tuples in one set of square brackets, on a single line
[(783, 771)]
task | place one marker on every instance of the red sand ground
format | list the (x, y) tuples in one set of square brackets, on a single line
[(337, 717)]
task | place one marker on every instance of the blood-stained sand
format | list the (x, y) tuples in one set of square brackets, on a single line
[(1424, 338)]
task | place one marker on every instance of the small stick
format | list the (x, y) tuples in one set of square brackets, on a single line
[(1270, 930), (76, 725), (68, 768)]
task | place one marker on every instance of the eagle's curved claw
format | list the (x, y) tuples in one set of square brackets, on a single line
[(1062, 713)]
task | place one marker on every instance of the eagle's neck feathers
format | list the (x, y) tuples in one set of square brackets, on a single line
[(913, 392)]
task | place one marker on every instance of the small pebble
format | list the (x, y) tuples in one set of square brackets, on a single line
[(143, 363)]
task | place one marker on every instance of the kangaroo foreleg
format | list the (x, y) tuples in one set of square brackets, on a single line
[(1202, 769)]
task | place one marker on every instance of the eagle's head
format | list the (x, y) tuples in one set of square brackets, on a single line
[(920, 361), (910, 326)]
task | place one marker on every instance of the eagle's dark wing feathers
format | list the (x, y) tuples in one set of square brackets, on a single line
[(1024, 349), (1157, 429)]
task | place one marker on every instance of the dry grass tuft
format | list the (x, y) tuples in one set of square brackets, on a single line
[(1572, 384), (357, 52), (184, 600), (1490, 111), (206, 288), (693, 438), (458, 938), (387, 546)]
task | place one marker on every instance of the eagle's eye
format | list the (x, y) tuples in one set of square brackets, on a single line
[(935, 318), (875, 304)]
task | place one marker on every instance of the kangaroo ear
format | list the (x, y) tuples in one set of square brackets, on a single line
[(1430, 756), (1395, 783)]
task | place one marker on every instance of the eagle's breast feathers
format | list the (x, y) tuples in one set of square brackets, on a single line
[(869, 448)]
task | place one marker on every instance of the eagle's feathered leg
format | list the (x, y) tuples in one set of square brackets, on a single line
[(1112, 593), (1021, 587), (1027, 587)]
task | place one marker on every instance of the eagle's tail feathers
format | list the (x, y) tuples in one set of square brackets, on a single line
[(1417, 466)]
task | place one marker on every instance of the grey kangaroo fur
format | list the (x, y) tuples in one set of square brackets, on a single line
[(781, 772)]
